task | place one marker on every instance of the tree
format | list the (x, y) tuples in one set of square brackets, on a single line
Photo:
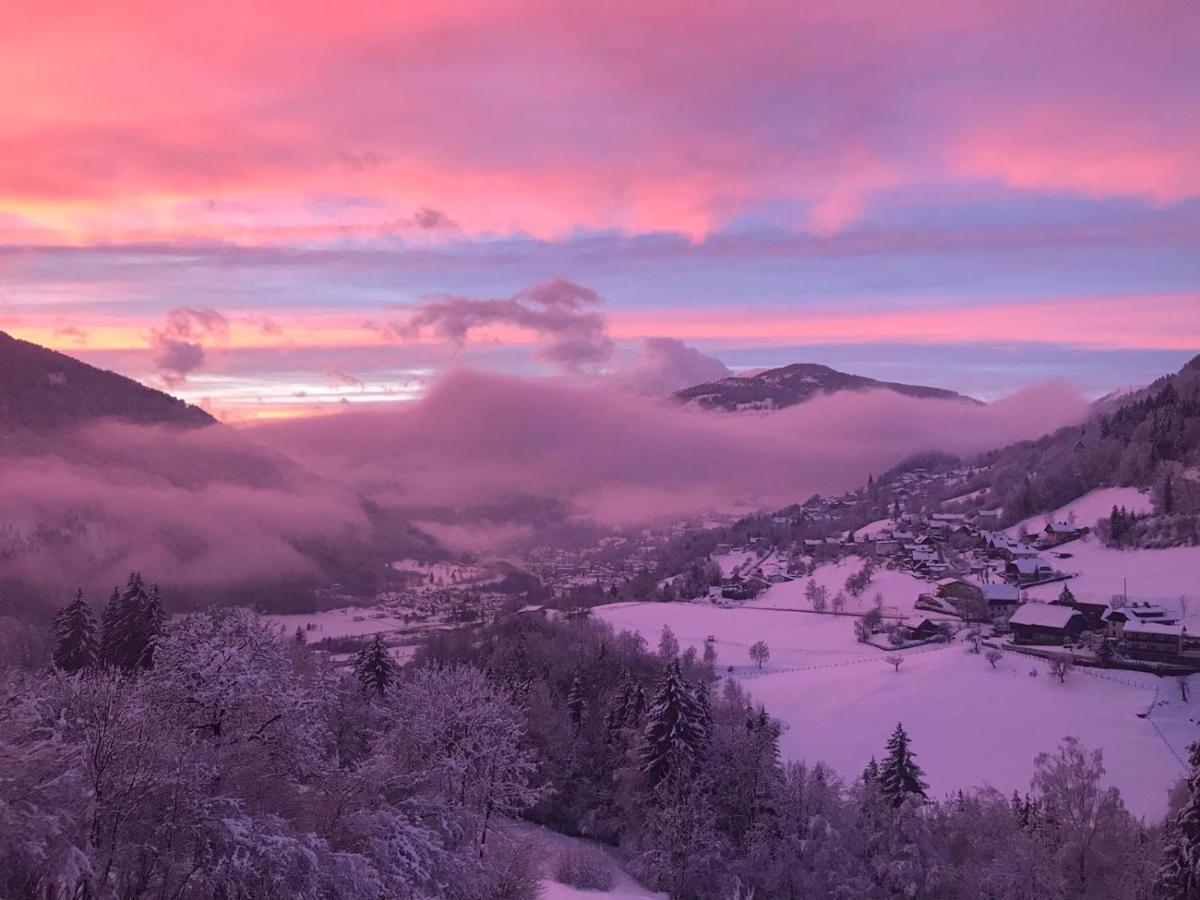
[(1065, 597), (75, 646), (899, 775), (1061, 668), (895, 660), (993, 656), (374, 667), (576, 704), (673, 737), (129, 624), (710, 661), (817, 595), (1179, 877), (759, 652), (668, 644)]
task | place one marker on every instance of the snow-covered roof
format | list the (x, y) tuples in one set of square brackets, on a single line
[(1001, 593), (1030, 566), (1153, 628), (1043, 614)]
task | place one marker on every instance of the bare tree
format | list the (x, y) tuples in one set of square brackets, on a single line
[(759, 652), (993, 656), (1061, 668), (895, 660)]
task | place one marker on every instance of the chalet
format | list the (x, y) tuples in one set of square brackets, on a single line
[(887, 547), (920, 628), (1002, 600), (1091, 610), (1153, 641), (1028, 571), (1115, 620), (1042, 623), (959, 589), (1056, 533)]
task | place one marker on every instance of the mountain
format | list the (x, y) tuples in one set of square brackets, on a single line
[(772, 389), (44, 390)]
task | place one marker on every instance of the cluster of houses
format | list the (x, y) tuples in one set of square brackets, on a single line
[(1145, 632)]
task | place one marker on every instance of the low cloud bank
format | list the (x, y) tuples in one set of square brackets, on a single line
[(220, 507), (619, 458)]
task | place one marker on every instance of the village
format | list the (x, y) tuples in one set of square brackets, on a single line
[(1010, 589)]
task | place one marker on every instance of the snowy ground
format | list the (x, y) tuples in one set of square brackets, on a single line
[(1089, 508), (971, 724), (899, 589), (551, 844), (1160, 576)]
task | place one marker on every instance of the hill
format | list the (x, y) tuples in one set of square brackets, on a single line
[(41, 389), (789, 385)]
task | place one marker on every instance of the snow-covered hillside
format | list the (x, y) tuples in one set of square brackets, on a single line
[(971, 724), (899, 589), (1090, 508)]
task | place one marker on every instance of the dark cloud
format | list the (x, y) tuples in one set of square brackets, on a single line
[(572, 336), (178, 345)]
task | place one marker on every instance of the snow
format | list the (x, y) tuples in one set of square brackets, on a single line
[(733, 560), (551, 844), (1159, 576), (900, 589), (1089, 509), (1043, 614), (336, 623), (872, 529), (970, 724)]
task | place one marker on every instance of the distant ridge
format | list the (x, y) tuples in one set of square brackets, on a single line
[(41, 390), (772, 389)]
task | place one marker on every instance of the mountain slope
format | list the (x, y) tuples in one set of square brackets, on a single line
[(42, 390), (786, 386)]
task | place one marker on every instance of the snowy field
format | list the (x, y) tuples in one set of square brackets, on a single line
[(551, 844), (971, 724), (1089, 508), (1160, 576), (899, 589)]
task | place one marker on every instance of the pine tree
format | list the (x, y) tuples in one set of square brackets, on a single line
[(151, 619), (870, 774), (900, 777), (576, 704), (1065, 597), (374, 668), (1179, 877), (76, 647), (128, 626), (674, 735), (112, 643)]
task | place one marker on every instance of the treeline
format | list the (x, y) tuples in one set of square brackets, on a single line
[(237, 762)]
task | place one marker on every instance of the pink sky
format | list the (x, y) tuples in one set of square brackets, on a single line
[(998, 171)]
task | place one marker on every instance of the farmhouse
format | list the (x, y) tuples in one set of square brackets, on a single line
[(1002, 600), (1028, 571), (1153, 641), (1042, 623)]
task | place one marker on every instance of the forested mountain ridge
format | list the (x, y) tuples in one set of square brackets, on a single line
[(43, 389), (789, 385)]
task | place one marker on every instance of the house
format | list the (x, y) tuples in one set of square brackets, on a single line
[(1056, 533), (1028, 571), (959, 589), (920, 628), (1093, 611), (1115, 620), (1043, 623), (1153, 641), (1002, 600)]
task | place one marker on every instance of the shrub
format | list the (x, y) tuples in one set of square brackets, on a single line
[(585, 868)]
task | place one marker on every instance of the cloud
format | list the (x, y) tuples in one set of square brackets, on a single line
[(665, 365), (198, 508), (178, 345), (614, 457), (571, 336)]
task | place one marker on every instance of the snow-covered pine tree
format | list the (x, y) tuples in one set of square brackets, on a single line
[(576, 704), (112, 642), (673, 737), (123, 640), (76, 646), (1179, 877), (374, 667), (704, 708), (899, 776), (151, 619), (870, 774)]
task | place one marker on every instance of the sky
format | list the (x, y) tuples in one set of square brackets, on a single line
[(283, 210)]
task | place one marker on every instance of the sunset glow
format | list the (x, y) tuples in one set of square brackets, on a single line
[(780, 175)]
